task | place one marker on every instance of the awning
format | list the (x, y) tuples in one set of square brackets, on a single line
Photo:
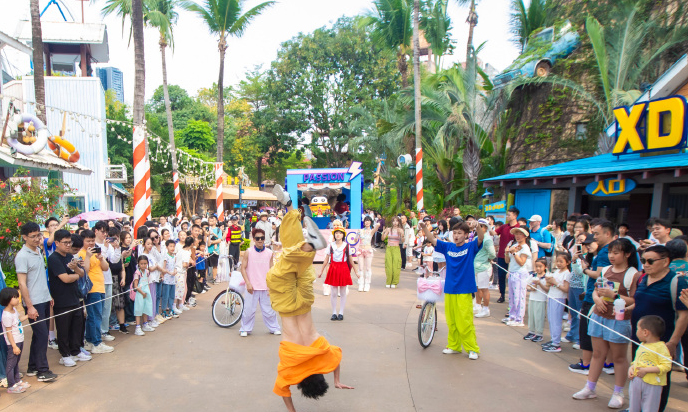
[(45, 160), (119, 188), (232, 193)]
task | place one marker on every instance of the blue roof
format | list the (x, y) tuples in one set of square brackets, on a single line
[(602, 164)]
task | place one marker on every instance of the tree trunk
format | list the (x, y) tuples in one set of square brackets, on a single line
[(139, 62), (221, 100), (168, 108), (472, 21), (37, 44), (416, 82), (259, 170), (403, 68)]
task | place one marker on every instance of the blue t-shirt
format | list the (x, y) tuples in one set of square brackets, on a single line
[(543, 235), (200, 263), (599, 261), (655, 299), (460, 277)]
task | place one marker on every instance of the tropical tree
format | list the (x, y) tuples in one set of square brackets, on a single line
[(391, 22), (224, 18), (37, 42), (472, 21), (436, 26), (524, 20), (139, 64)]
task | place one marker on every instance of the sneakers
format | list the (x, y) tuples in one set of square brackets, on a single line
[(537, 338), (387, 286), (46, 376), (448, 351), (123, 329), (529, 336), (393, 286), (366, 288), (192, 301), (314, 237), (176, 311), (281, 195), (102, 348), (579, 368), (515, 324), (139, 332), (484, 313), (3, 383), (617, 401), (107, 337), (173, 314), (243, 334), (82, 357), (477, 308), (608, 369), (360, 288), (506, 320), (31, 372), (159, 319), (114, 327), (16, 389), (564, 340), (585, 393), (277, 332), (500, 300), (575, 346), (87, 345), (68, 362), (85, 352), (147, 328), (153, 324), (184, 307), (52, 344), (472, 355), (25, 385), (552, 348)]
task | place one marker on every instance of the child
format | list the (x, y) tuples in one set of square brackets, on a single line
[(648, 372), (428, 251), (537, 305), (557, 285), (201, 257), (14, 337), (339, 273), (182, 261), (168, 282), (143, 304)]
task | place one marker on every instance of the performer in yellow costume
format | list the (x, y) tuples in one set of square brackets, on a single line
[(304, 355)]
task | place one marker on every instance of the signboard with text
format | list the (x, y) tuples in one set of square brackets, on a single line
[(610, 187)]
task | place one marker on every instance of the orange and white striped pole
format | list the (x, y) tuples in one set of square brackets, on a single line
[(140, 182), (149, 199), (219, 198), (177, 194), (419, 178)]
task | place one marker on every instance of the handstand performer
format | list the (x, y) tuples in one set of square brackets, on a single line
[(305, 356)]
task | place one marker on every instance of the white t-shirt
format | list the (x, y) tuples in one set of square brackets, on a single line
[(539, 295), (528, 265), (561, 277), (431, 251), (10, 320), (181, 257), (170, 262), (153, 259), (338, 252)]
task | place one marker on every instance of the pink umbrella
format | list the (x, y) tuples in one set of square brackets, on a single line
[(97, 215)]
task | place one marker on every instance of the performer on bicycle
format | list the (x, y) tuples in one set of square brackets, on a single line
[(304, 355), (459, 286)]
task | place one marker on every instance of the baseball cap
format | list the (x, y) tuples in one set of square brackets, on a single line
[(535, 218), (234, 217), (589, 239), (483, 221)]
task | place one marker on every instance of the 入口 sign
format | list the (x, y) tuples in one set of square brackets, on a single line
[(610, 187), (651, 126)]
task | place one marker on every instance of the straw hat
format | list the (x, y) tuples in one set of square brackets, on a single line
[(338, 229), (521, 230)]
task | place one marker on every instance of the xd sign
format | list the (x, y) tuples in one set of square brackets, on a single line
[(610, 187), (644, 127)]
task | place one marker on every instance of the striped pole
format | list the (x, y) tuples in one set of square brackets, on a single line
[(140, 170), (219, 202), (148, 190), (177, 195), (419, 178)]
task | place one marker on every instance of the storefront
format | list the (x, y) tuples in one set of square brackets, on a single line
[(646, 175)]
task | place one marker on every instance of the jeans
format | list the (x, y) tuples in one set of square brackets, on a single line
[(159, 302), (501, 273), (167, 302), (575, 303), (107, 307), (38, 355), (94, 317), (3, 358)]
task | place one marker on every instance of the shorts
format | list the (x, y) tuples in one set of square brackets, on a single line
[(482, 279), (212, 260), (621, 326)]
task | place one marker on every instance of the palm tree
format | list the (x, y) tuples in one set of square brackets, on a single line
[(524, 20), (436, 25), (37, 44), (224, 18), (472, 21), (139, 63), (391, 22)]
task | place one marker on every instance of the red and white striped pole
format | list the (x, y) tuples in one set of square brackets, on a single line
[(149, 199), (419, 178), (140, 171), (177, 195), (219, 198)]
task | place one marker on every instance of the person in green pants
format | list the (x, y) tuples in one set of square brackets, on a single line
[(394, 236)]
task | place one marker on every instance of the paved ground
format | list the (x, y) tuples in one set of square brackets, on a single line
[(190, 363)]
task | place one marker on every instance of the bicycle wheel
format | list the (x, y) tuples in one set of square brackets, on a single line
[(427, 321), (227, 308)]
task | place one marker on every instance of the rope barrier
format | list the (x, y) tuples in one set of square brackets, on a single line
[(604, 326)]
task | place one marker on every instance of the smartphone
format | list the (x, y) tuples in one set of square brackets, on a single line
[(579, 248), (96, 250), (111, 239)]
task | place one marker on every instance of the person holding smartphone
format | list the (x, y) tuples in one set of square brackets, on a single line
[(94, 300)]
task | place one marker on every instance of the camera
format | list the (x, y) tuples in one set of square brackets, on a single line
[(96, 250)]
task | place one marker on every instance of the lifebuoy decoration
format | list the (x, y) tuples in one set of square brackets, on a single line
[(63, 149), (30, 139)]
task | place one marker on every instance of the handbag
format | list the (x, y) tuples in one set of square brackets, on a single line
[(84, 285), (198, 286)]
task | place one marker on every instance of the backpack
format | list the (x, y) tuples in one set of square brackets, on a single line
[(132, 292), (551, 253), (628, 276), (84, 285)]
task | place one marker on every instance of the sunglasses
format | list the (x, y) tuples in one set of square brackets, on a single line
[(650, 261), (259, 238)]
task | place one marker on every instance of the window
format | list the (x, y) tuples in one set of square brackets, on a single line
[(76, 202)]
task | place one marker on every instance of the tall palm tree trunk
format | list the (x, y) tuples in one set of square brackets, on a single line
[(402, 65), (222, 46), (139, 62), (37, 42), (472, 21), (416, 83), (168, 106)]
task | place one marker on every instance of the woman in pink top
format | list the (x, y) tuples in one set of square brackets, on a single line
[(255, 263), (394, 236)]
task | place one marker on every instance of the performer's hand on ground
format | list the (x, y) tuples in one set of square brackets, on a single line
[(340, 385)]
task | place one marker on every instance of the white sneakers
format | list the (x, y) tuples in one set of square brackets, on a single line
[(107, 337), (393, 286), (102, 348), (366, 288), (448, 351), (387, 286), (472, 355), (88, 346), (585, 393), (484, 312), (243, 334), (277, 332), (147, 328), (515, 324), (139, 332), (360, 288), (617, 401), (67, 361), (281, 194), (314, 237), (177, 311), (184, 307), (82, 357)]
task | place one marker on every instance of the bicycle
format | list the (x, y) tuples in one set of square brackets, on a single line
[(427, 320), (228, 305)]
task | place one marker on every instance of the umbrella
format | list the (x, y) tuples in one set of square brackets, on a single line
[(97, 215), (267, 208)]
